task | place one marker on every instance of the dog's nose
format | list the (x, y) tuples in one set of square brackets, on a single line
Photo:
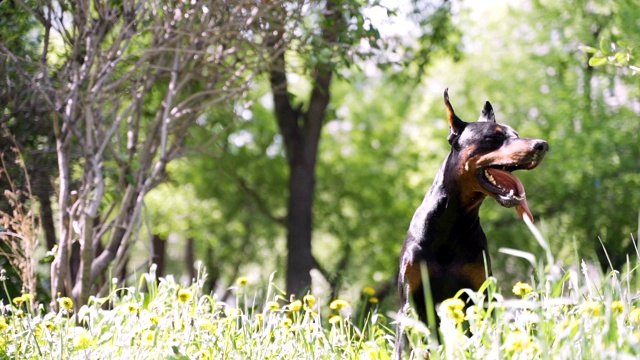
[(541, 146)]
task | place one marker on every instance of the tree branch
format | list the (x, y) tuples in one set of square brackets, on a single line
[(286, 117), (281, 220)]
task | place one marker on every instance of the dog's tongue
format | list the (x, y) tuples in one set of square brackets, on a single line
[(509, 182)]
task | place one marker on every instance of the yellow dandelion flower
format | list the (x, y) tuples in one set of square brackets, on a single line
[(184, 295), (203, 355), (590, 308), (204, 324), (516, 341), (18, 300), (452, 304), (18, 313), (272, 305), (27, 297), (65, 302), (3, 325), (521, 288), (295, 306), (242, 281), (369, 291), (338, 304), (82, 340), (334, 319), (617, 307), (309, 301), (370, 354), (634, 316), (478, 327), (259, 318), (374, 300), (133, 307), (453, 309), (48, 324), (174, 341), (233, 312), (147, 337), (154, 319), (533, 345), (286, 322)]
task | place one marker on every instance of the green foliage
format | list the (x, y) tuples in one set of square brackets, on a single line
[(228, 194), (617, 54), (619, 41), (371, 177)]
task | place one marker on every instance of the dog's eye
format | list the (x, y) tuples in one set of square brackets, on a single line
[(494, 137)]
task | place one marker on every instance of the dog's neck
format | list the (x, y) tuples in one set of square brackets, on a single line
[(442, 209)]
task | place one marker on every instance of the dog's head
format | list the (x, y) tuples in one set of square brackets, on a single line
[(487, 154)]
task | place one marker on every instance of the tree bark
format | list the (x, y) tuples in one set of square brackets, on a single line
[(301, 134), (43, 189), (190, 258), (299, 228), (158, 255), (60, 272)]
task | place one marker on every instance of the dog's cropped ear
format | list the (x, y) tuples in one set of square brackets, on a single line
[(487, 113), (456, 125)]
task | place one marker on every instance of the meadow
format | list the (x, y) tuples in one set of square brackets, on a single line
[(575, 316), (571, 313)]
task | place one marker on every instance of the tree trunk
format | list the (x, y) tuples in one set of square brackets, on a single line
[(190, 258), (299, 228), (158, 256), (60, 272), (301, 139), (42, 190), (213, 271)]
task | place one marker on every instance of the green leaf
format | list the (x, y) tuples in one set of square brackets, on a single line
[(588, 49), (621, 58), (605, 46), (597, 61)]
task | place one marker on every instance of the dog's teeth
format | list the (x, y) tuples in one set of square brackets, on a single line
[(490, 178), (511, 192)]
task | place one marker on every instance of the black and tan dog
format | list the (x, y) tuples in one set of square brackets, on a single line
[(445, 233)]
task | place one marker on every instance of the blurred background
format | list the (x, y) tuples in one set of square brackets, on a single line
[(563, 71)]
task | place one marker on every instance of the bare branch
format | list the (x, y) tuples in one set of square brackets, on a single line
[(28, 77)]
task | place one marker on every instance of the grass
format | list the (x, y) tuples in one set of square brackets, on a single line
[(172, 322), (573, 316), (557, 319)]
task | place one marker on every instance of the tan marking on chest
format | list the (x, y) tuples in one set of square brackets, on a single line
[(413, 277), (474, 273)]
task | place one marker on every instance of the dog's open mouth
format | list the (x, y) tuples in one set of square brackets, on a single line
[(505, 187)]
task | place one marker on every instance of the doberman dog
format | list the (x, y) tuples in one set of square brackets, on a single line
[(445, 234)]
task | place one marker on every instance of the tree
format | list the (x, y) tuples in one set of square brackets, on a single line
[(27, 153), (301, 130), (332, 45), (124, 81)]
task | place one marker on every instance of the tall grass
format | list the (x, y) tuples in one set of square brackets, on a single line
[(168, 321), (574, 315)]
